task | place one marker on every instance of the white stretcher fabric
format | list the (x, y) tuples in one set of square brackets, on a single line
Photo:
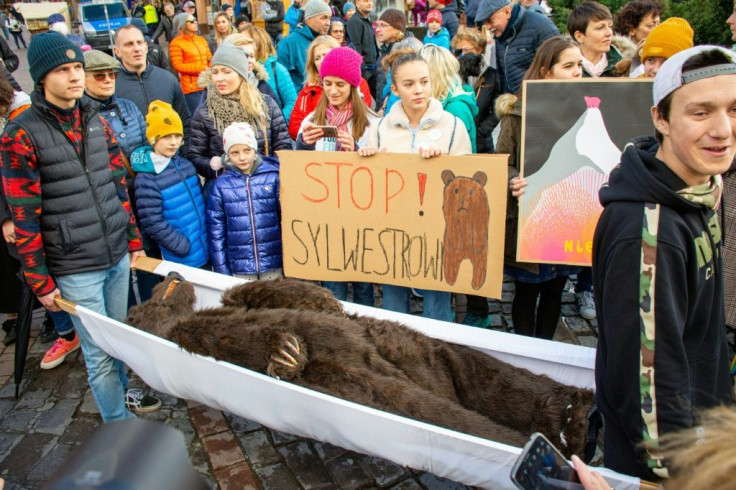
[(292, 409)]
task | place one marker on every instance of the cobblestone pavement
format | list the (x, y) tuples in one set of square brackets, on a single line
[(56, 412)]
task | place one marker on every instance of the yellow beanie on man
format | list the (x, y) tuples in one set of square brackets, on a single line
[(668, 38), (162, 120)]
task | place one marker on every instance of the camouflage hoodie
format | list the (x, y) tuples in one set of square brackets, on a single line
[(662, 351)]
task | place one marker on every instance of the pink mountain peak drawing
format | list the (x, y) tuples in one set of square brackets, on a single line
[(593, 102)]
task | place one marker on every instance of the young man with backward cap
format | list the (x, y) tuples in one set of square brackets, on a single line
[(662, 352)]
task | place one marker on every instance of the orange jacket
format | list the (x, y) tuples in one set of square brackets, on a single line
[(190, 56)]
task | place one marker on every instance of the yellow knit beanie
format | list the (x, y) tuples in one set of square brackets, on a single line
[(670, 37), (162, 120)]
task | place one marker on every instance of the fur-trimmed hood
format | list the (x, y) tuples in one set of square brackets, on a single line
[(507, 104), (625, 46), (205, 77)]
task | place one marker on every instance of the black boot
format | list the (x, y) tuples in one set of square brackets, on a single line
[(9, 329), (48, 330)]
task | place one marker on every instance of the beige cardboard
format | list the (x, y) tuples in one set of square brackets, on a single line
[(352, 218)]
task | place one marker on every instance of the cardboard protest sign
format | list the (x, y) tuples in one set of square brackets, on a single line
[(434, 224), (573, 134)]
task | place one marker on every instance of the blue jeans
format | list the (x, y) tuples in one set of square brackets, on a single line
[(437, 304), (105, 292), (362, 291), (62, 322)]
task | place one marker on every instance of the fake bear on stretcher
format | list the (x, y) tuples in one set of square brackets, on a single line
[(298, 332)]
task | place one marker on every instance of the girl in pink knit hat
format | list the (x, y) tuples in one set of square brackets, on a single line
[(339, 123)]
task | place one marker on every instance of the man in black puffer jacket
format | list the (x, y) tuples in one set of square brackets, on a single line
[(65, 185), (518, 33)]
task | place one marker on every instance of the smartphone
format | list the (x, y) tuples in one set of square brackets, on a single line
[(541, 466), (328, 131)]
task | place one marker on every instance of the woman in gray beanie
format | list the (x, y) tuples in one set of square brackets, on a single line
[(230, 98)]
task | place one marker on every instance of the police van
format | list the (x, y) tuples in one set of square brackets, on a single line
[(100, 19)]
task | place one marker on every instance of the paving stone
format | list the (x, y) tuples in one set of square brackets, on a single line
[(494, 307), (588, 341), (496, 321), (578, 325), (236, 477), (161, 415), (257, 448), (384, 473), (306, 465), (198, 457), (207, 421), (507, 296), (407, 484), (223, 450), (280, 438), (5, 407), (88, 403), (8, 442), (432, 482), (80, 429), (327, 451), (276, 477), (56, 420), (47, 466), (239, 424), (570, 298), (74, 383), (347, 472), (33, 398), (29, 451), (181, 422), (18, 420)]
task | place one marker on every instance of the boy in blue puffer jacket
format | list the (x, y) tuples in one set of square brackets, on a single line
[(168, 192), (436, 34), (243, 210)]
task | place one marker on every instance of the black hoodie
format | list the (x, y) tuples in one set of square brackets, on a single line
[(662, 350)]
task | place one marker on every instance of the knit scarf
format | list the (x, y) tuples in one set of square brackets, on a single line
[(707, 194), (339, 118), (227, 109)]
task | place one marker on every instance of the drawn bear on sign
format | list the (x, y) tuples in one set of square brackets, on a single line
[(466, 210)]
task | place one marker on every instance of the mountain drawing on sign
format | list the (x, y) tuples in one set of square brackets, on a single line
[(560, 208)]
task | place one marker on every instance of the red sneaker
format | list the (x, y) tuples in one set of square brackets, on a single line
[(58, 352)]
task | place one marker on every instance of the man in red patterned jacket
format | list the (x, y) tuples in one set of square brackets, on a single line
[(64, 181)]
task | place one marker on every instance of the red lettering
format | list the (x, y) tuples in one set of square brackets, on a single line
[(337, 166), (391, 196), (327, 189), (370, 187)]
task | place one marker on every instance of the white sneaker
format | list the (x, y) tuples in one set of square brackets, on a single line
[(586, 305)]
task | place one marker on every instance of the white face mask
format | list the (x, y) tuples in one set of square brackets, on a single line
[(60, 27)]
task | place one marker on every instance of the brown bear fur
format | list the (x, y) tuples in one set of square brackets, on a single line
[(379, 363)]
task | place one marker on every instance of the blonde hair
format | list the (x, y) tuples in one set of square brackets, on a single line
[(219, 38), (264, 46), (254, 103), (444, 71), (311, 69), (471, 35), (703, 456), (239, 39)]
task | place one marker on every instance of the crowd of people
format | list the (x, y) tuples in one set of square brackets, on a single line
[(112, 158)]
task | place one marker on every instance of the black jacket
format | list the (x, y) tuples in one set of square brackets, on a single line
[(360, 32), (486, 92), (83, 223), (206, 142), (658, 280), (154, 84), (165, 27), (275, 26)]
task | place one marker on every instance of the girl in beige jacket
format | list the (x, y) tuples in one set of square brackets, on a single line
[(416, 123)]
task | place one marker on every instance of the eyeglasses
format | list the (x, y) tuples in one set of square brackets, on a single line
[(102, 76), (192, 20)]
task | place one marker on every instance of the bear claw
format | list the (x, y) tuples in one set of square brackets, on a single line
[(288, 357)]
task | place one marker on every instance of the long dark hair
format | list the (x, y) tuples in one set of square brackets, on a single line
[(548, 55)]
